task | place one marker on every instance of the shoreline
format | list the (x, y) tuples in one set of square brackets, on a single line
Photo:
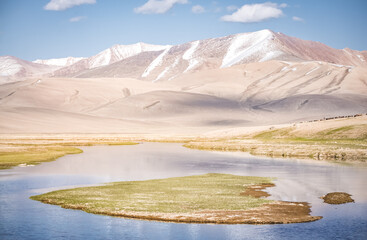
[(341, 140), (246, 204), (286, 151), (253, 216), (20, 152)]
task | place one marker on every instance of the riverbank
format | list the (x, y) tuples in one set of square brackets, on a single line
[(17, 151), (340, 140), (209, 198)]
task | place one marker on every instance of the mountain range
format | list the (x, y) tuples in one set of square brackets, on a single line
[(245, 79)]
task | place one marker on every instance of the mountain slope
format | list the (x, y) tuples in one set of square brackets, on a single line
[(107, 57), (13, 69), (228, 51), (131, 67)]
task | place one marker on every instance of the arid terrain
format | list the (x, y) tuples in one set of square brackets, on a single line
[(241, 80), (262, 92), (188, 104)]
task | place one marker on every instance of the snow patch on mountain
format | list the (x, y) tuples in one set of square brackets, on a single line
[(101, 59), (120, 52), (60, 62), (246, 45), (192, 64), (361, 58), (167, 69), (341, 65), (162, 74), (271, 55), (312, 70), (9, 66), (156, 62), (189, 56), (15, 69)]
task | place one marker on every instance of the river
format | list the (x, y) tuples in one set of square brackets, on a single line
[(296, 180)]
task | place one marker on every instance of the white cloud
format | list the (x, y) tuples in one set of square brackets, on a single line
[(59, 5), (297, 19), (232, 8), (77, 19), (255, 13), (198, 9), (158, 6)]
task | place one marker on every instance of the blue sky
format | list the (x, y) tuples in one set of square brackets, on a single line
[(31, 29)]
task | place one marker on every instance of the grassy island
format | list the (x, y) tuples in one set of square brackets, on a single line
[(209, 198)]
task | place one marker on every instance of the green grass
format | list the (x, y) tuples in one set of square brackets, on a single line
[(353, 136), (173, 195), (274, 134), (338, 130), (36, 151), (343, 144), (357, 132), (34, 155)]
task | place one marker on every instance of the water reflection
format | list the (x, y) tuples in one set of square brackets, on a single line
[(21, 218)]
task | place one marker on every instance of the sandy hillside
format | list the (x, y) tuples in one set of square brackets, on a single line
[(273, 92)]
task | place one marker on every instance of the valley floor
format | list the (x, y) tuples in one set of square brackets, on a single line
[(341, 140)]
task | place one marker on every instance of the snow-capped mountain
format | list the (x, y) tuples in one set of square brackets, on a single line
[(12, 69), (120, 52), (223, 52), (158, 63), (108, 56), (60, 62)]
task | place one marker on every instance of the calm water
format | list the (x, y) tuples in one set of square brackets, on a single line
[(21, 218)]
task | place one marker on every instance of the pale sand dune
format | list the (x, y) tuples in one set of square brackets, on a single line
[(254, 94), (72, 94), (40, 120)]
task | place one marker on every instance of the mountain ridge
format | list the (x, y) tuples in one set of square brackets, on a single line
[(211, 53), (232, 50)]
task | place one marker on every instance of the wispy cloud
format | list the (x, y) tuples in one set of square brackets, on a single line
[(298, 19), (232, 8), (77, 19), (158, 6), (255, 12), (197, 9), (60, 5)]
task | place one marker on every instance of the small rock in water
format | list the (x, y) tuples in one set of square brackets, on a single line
[(337, 198)]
